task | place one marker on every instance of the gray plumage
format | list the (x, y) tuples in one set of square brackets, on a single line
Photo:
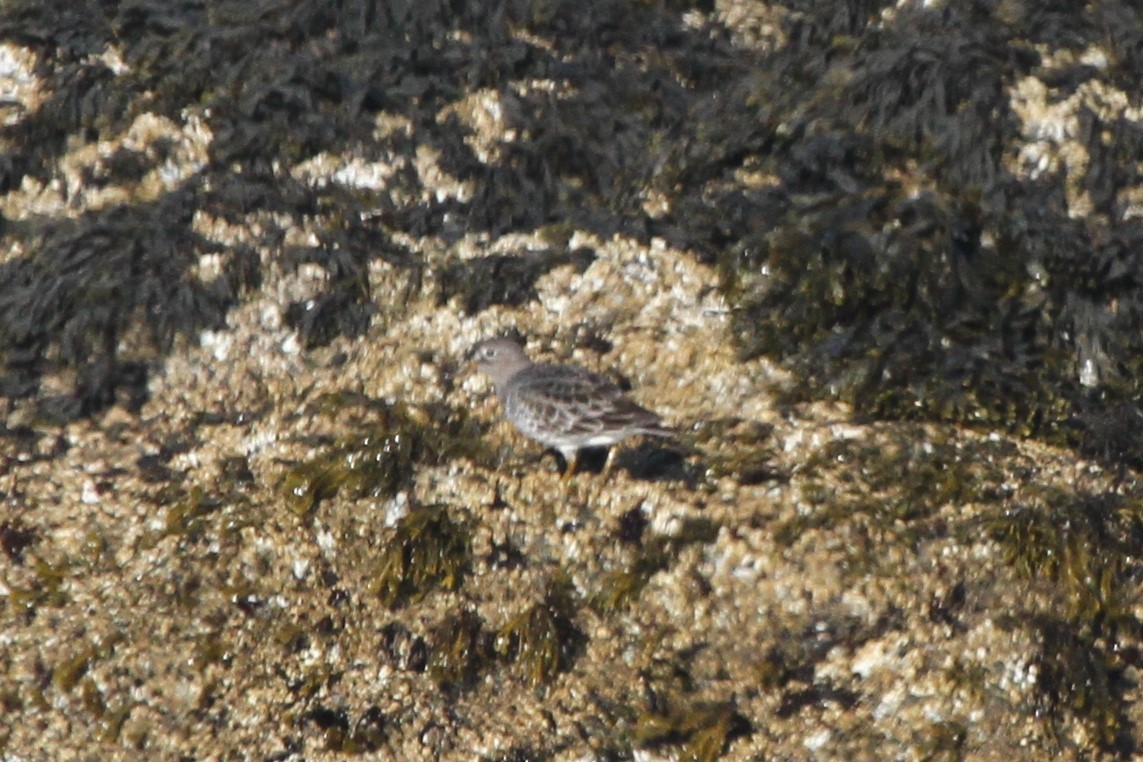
[(562, 406)]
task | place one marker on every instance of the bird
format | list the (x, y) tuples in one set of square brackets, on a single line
[(564, 407)]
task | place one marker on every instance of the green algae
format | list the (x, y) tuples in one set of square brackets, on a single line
[(897, 483), (68, 673), (541, 641), (621, 587), (383, 459), (190, 517), (943, 741), (50, 589), (1079, 675), (426, 551), (460, 647), (1086, 545), (1078, 554), (700, 728)]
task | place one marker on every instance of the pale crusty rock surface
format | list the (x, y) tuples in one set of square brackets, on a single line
[(173, 589)]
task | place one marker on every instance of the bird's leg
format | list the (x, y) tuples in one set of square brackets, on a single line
[(571, 456), (608, 464)]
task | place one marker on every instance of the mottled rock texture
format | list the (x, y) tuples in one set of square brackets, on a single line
[(877, 261)]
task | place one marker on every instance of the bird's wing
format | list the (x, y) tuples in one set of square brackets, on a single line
[(577, 401)]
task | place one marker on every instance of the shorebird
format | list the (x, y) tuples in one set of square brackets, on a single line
[(562, 406)]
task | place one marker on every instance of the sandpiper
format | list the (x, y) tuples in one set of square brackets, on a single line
[(562, 406)]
